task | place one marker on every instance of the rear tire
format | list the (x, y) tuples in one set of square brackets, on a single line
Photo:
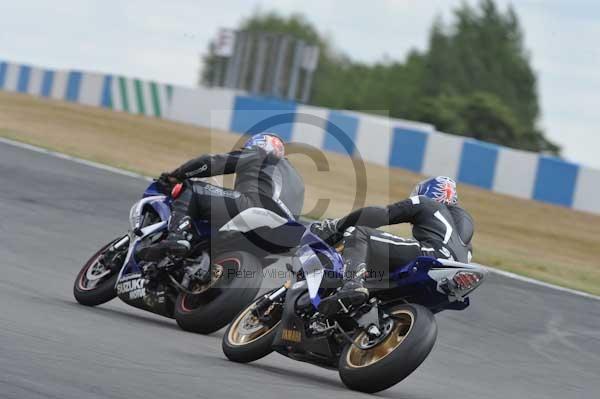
[(235, 289), (103, 291), (255, 345), (375, 370)]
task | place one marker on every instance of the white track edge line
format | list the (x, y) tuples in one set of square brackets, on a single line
[(533, 281), (147, 178), (82, 161)]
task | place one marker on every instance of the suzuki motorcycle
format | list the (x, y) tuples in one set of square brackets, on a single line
[(202, 292), (373, 346)]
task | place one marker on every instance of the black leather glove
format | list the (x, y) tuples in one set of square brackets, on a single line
[(327, 231), (166, 181)]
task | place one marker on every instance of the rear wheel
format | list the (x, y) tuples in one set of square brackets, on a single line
[(249, 338), (372, 365), (95, 283), (235, 281)]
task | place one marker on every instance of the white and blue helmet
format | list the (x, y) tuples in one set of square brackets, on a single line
[(441, 189), (269, 142)]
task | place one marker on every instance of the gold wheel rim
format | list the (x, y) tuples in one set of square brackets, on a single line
[(248, 328), (403, 323)]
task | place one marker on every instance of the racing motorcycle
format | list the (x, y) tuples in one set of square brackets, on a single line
[(202, 292), (373, 346)]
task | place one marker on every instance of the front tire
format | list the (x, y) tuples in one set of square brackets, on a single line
[(233, 289), (91, 290), (410, 341), (247, 339)]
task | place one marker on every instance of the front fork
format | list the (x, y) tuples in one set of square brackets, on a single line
[(119, 244), (111, 252), (268, 299)]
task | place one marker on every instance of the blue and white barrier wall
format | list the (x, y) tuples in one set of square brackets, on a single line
[(404, 144), (101, 90), (391, 142)]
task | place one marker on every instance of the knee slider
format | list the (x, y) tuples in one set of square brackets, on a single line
[(349, 231)]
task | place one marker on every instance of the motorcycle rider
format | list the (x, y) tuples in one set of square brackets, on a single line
[(264, 179), (441, 228)]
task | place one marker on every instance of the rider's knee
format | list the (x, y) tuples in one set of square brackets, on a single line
[(356, 233)]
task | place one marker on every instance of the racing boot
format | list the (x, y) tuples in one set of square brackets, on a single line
[(352, 294), (177, 243)]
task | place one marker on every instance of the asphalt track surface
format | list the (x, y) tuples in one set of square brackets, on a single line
[(517, 340)]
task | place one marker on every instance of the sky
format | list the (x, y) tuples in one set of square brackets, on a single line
[(163, 40)]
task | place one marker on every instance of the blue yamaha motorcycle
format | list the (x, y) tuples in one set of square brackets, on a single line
[(203, 292), (374, 346)]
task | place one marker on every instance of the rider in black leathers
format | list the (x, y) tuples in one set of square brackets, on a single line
[(441, 229), (264, 179)]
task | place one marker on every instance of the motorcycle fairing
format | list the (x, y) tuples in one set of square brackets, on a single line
[(311, 246), (422, 281), (130, 284), (152, 190), (298, 345), (253, 218)]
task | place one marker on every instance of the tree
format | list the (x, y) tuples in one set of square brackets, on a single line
[(475, 78), (483, 52), (479, 115)]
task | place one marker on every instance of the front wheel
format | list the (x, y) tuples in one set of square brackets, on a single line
[(235, 281), (95, 283), (370, 365), (249, 338)]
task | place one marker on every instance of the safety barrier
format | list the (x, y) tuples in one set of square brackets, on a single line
[(101, 90), (386, 141)]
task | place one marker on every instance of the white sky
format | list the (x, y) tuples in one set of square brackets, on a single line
[(163, 40)]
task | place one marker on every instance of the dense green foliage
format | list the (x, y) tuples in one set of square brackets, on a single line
[(475, 79)]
